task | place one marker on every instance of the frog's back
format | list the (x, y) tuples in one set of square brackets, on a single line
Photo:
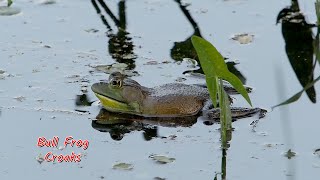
[(175, 99)]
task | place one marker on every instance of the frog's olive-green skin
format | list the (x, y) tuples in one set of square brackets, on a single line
[(124, 95)]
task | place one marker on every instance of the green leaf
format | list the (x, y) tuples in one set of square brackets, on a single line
[(9, 3), (213, 89), (237, 84), (209, 57), (317, 41), (214, 67), (225, 116), (297, 95), (317, 7), (225, 108)]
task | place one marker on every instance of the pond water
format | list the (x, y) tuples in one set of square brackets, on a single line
[(51, 53)]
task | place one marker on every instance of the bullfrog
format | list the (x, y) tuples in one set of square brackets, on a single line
[(124, 95)]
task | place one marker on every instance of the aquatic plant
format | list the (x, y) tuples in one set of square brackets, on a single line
[(317, 38), (216, 70), (316, 45), (9, 3), (317, 7), (297, 96)]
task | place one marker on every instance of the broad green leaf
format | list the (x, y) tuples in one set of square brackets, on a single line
[(214, 67), (210, 59), (237, 84), (297, 95), (205, 55)]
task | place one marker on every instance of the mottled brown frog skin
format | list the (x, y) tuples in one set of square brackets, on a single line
[(124, 95)]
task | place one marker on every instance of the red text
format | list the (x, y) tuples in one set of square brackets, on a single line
[(42, 141), (50, 157), (79, 143)]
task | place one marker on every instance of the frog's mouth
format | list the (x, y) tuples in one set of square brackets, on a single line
[(110, 99)]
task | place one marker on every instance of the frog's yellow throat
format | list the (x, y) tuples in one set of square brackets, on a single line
[(116, 106)]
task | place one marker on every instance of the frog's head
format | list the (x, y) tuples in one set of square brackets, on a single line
[(120, 94)]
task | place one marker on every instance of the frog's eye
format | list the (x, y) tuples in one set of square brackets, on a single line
[(116, 83)]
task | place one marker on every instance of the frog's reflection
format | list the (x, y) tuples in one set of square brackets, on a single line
[(83, 100), (117, 130), (299, 45), (117, 124), (185, 49), (120, 44)]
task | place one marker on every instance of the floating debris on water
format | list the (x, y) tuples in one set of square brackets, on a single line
[(20, 98), (123, 166), (191, 63), (3, 75), (162, 159), (262, 133), (40, 158), (61, 148), (35, 70), (181, 79), (91, 30), (290, 154), (151, 63), (271, 145), (202, 11), (172, 137), (62, 111), (9, 11), (159, 178), (73, 76), (116, 67), (47, 46), (243, 38), (317, 152), (47, 2)]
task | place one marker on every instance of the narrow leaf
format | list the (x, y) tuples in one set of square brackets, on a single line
[(225, 115), (317, 7), (317, 48), (9, 3), (297, 95), (212, 88)]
